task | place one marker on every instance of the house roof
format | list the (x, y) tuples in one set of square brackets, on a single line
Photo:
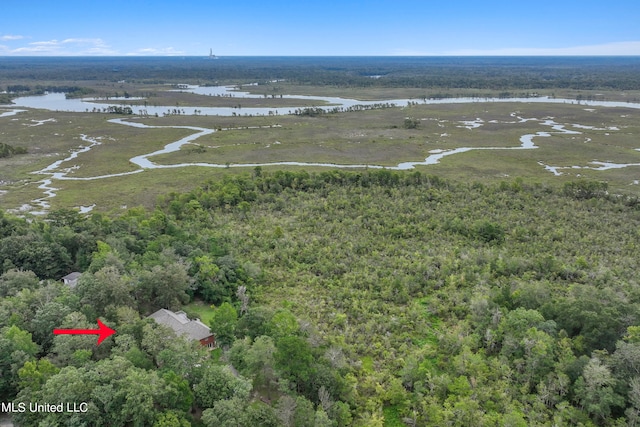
[(181, 324), (72, 276)]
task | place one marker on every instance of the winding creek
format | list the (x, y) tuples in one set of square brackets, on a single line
[(58, 102)]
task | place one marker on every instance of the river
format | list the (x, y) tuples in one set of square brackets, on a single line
[(59, 102)]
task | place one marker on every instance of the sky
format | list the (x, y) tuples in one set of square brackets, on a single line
[(319, 28)]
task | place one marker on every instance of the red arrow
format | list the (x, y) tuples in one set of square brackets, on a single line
[(103, 332)]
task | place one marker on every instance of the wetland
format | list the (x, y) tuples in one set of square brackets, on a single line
[(384, 242), (189, 119), (329, 132)]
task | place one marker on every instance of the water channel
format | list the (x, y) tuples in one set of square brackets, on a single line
[(58, 102)]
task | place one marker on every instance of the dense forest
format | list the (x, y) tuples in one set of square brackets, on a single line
[(364, 298), (488, 73)]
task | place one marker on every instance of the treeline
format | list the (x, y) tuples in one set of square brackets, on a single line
[(232, 191), (118, 109), (450, 303), (133, 265), (70, 91), (70, 242), (496, 74), (362, 298), (318, 111)]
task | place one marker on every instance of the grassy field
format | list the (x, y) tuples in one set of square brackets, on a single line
[(202, 310), (375, 137)]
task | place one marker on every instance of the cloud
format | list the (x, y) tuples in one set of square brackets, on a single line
[(613, 49), (46, 47), (627, 48), (46, 43), (11, 37), (91, 46), (80, 46), (66, 47), (83, 41), (151, 51)]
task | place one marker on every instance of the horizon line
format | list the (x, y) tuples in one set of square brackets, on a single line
[(340, 56)]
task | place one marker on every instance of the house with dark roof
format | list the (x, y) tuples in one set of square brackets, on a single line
[(182, 325)]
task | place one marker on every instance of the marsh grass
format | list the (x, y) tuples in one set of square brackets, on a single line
[(375, 137), (143, 189), (377, 93), (120, 145), (178, 99)]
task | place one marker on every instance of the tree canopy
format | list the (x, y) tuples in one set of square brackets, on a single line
[(338, 299)]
